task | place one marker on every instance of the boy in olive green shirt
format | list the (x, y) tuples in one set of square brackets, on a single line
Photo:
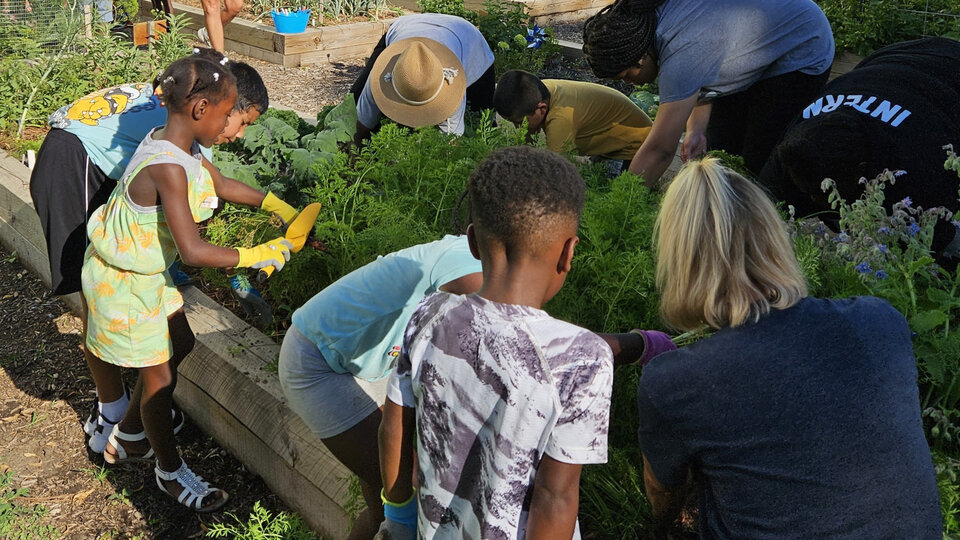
[(596, 120)]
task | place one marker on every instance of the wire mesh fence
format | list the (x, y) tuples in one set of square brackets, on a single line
[(929, 20)]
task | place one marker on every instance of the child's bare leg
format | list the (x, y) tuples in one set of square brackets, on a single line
[(162, 381), (357, 448)]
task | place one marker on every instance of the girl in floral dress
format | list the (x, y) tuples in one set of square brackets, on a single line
[(136, 316)]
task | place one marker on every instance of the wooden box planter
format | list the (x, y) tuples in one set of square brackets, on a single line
[(225, 384), (316, 45)]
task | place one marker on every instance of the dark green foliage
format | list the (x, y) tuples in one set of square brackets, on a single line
[(279, 151), (862, 26), (448, 7), (647, 99), (45, 63), (505, 25), (611, 286)]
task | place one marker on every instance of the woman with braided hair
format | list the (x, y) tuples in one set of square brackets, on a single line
[(732, 73)]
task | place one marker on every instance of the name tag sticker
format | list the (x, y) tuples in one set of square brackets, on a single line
[(210, 202)]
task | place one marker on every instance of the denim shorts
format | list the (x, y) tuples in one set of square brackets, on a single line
[(329, 402)]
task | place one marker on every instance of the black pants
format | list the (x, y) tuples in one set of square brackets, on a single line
[(750, 123), (479, 94), (66, 188)]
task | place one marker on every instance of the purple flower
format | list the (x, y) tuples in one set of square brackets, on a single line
[(913, 229), (880, 274), (900, 173), (863, 268), (906, 202), (535, 37)]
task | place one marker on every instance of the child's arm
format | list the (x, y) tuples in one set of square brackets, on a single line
[(637, 346), (396, 470), (170, 182), (556, 497), (396, 451), (233, 191)]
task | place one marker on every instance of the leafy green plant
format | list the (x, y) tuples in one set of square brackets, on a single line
[(888, 254), (262, 525), (51, 63), (863, 26), (19, 521), (515, 41), (948, 471), (448, 7)]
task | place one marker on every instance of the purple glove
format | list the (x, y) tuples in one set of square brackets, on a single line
[(654, 343)]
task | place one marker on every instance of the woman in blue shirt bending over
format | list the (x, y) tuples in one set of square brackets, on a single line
[(800, 417)]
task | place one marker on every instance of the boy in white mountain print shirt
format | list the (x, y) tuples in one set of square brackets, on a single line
[(509, 402)]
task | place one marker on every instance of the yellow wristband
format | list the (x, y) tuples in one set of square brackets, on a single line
[(398, 505)]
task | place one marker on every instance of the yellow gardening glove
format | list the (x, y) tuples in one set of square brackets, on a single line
[(272, 203), (302, 226), (273, 253)]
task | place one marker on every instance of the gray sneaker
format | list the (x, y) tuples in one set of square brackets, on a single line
[(204, 36)]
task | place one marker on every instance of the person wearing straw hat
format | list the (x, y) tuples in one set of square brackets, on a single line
[(423, 72)]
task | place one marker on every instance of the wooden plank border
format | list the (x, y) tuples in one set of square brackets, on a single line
[(227, 385)]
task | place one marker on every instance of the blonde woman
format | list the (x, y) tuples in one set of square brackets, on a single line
[(800, 416)]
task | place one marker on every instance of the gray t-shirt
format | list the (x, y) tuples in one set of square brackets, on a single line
[(456, 34), (725, 46)]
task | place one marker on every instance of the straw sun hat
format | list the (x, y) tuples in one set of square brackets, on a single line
[(417, 82)]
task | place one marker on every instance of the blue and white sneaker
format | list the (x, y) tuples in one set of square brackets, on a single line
[(250, 299)]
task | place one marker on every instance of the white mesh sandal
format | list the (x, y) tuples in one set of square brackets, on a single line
[(195, 489)]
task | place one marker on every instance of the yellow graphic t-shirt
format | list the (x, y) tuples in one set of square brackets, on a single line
[(598, 120)]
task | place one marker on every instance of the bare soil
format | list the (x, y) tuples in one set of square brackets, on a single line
[(45, 395)]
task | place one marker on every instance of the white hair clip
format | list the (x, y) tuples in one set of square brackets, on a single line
[(169, 79), (196, 50), (216, 76), (224, 61)]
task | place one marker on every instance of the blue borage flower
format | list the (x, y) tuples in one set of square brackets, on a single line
[(880, 274), (907, 201), (536, 36), (842, 237), (863, 268), (883, 230), (882, 248), (913, 229)]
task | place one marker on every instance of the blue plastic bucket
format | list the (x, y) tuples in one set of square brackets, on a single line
[(293, 22)]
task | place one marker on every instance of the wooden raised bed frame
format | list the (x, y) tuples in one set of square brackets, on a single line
[(335, 43), (316, 45), (225, 385)]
